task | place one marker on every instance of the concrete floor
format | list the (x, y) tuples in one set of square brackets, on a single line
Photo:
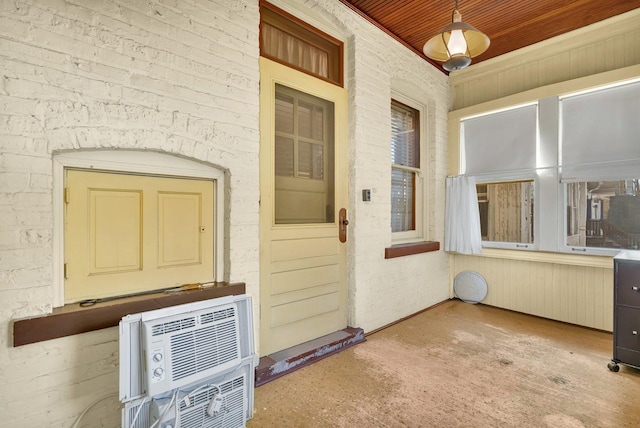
[(460, 365)]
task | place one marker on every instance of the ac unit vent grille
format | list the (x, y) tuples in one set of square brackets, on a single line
[(217, 315), (231, 415), (171, 326), (143, 420), (199, 350)]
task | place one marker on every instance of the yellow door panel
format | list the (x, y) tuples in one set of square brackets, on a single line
[(308, 263), (293, 280), (304, 330), (179, 229), (128, 233), (115, 231), (304, 309), (304, 294), (293, 249)]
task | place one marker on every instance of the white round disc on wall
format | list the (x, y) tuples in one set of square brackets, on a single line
[(470, 286)]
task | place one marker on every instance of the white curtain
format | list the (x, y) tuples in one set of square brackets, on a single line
[(294, 51), (462, 218)]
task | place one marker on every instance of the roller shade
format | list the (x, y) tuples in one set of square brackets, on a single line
[(600, 134), (502, 141)]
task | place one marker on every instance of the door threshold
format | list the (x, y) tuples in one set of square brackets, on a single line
[(282, 362)]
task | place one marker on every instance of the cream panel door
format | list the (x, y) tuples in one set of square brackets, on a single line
[(303, 182), (130, 233)]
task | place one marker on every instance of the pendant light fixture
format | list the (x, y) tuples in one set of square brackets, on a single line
[(456, 44)]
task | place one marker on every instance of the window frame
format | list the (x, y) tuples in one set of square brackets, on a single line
[(300, 30), (564, 246), (550, 193), (131, 161), (563, 182), (327, 142), (514, 178), (420, 187), (525, 173)]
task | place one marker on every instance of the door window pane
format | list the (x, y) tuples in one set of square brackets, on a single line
[(310, 161), (310, 120), (303, 157), (284, 113), (284, 159)]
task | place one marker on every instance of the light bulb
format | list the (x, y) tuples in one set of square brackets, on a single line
[(457, 44)]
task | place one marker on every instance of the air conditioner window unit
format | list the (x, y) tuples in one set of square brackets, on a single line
[(181, 361), (181, 348), (219, 401)]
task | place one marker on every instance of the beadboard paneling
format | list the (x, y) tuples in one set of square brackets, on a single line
[(581, 295), (601, 47)]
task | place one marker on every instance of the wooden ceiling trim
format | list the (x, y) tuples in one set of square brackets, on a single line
[(509, 25), (393, 35)]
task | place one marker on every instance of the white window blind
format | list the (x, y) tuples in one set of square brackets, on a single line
[(405, 148), (499, 142), (600, 134), (405, 159)]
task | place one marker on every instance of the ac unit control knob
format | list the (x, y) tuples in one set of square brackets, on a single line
[(157, 357), (158, 372)]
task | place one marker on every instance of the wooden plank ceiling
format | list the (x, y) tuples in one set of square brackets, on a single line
[(510, 25)]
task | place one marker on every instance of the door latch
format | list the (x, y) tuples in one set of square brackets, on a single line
[(343, 223)]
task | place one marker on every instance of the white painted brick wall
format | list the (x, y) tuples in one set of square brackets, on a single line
[(180, 77)]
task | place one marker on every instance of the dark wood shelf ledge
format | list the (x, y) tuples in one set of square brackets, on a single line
[(401, 250), (73, 319)]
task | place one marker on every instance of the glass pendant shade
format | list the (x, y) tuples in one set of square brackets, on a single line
[(456, 44)]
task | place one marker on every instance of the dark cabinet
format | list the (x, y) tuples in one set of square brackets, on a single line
[(626, 310)]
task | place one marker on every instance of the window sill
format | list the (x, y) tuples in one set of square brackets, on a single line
[(549, 257), (73, 319), (401, 250)]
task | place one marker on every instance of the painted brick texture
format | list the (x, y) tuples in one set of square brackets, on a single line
[(181, 78), (174, 77), (382, 290)]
